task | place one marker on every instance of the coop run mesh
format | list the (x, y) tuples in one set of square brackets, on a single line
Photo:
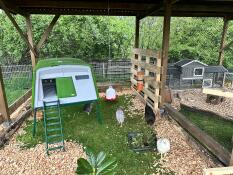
[(17, 78)]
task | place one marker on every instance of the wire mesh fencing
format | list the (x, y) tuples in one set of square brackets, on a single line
[(18, 78), (112, 71)]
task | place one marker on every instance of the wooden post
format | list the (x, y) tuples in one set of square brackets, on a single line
[(137, 28), (30, 39), (46, 32), (231, 160), (165, 46), (222, 44), (3, 101)]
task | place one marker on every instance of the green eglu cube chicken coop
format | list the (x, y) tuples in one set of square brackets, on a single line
[(59, 82)]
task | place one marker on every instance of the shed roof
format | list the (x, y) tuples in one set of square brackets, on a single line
[(186, 62), (183, 62), (216, 8), (215, 69)]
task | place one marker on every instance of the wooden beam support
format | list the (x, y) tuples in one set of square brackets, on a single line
[(137, 31), (3, 101), (30, 39), (165, 45), (155, 9), (212, 145), (224, 34), (46, 33), (16, 26), (231, 160)]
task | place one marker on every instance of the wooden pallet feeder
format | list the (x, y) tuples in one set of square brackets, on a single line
[(219, 171), (146, 74)]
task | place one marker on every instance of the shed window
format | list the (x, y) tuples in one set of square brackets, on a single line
[(198, 71)]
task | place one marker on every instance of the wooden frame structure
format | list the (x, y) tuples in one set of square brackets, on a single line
[(149, 62), (138, 8), (213, 146), (219, 171)]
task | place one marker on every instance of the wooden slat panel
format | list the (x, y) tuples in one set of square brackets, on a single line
[(219, 171), (20, 101), (146, 52), (133, 81), (150, 67), (213, 146)]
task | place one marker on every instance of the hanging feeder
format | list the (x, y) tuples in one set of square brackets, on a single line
[(110, 94), (140, 83)]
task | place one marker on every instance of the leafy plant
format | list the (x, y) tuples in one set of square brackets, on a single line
[(96, 165), (144, 139)]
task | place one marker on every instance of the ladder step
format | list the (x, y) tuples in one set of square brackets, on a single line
[(54, 129), (52, 124), (54, 148), (54, 142), (52, 112), (52, 118), (54, 136)]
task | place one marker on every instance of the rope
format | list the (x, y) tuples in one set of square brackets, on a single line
[(109, 39)]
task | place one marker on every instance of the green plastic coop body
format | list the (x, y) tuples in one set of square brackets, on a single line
[(68, 79)]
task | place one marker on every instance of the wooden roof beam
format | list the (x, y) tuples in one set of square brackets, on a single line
[(46, 32), (30, 38), (224, 34), (4, 111), (23, 36), (83, 4), (155, 9)]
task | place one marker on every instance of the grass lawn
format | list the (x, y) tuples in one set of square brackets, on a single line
[(15, 88), (108, 137), (221, 130)]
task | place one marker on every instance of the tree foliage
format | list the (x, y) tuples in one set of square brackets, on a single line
[(87, 37), (192, 38)]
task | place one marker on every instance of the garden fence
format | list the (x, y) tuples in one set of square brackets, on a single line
[(17, 78)]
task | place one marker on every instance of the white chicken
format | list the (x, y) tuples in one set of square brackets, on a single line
[(163, 146), (120, 116)]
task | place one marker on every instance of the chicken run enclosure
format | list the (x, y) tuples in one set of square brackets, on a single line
[(147, 72)]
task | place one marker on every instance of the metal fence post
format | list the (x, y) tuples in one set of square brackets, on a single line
[(103, 67)]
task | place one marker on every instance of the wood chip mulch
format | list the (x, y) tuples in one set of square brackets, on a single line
[(34, 161), (182, 158)]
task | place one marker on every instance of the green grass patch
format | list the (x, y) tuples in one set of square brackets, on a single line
[(15, 88), (221, 130), (108, 137)]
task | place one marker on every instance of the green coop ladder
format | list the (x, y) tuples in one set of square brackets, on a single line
[(54, 137)]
